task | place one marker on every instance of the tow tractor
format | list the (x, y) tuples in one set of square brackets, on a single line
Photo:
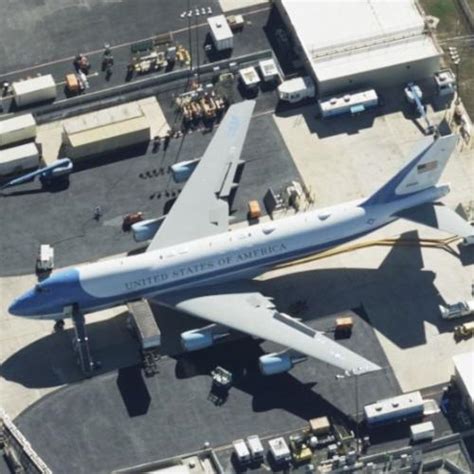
[(464, 331), (458, 310), (221, 383), (300, 451)]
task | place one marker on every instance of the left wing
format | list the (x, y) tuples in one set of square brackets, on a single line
[(201, 210), (254, 314)]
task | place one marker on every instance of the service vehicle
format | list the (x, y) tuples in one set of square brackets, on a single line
[(457, 310)]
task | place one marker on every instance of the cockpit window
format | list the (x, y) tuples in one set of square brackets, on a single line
[(41, 289)]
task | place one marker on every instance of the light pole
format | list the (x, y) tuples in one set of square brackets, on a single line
[(456, 59)]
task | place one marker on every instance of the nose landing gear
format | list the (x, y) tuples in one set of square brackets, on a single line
[(59, 325)]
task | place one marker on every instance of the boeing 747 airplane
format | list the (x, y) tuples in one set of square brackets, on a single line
[(196, 265)]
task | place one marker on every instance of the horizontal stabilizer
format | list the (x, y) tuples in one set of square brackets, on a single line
[(439, 217)]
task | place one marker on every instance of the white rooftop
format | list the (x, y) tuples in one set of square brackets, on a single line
[(375, 33), (464, 364), (220, 27)]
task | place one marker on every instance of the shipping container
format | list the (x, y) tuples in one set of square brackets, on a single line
[(403, 407), (105, 130), (19, 158), (422, 431), (32, 91), (17, 129), (221, 33)]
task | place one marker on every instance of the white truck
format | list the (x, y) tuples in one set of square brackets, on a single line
[(457, 310), (45, 259), (241, 452), (256, 448), (297, 89), (32, 91), (280, 451)]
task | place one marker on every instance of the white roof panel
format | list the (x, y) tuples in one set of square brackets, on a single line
[(464, 364), (346, 38), (328, 23), (355, 62)]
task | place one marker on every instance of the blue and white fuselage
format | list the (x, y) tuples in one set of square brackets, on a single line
[(223, 257)]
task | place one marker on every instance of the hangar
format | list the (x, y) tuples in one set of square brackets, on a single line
[(375, 43)]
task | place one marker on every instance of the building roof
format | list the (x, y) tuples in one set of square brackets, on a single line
[(464, 364), (373, 33)]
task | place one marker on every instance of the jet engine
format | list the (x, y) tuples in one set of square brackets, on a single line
[(145, 230), (279, 362), (201, 338), (182, 171)]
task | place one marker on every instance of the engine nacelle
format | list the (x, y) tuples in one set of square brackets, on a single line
[(279, 362), (182, 171), (197, 339), (146, 230)]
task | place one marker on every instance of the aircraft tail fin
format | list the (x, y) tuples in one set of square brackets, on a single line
[(422, 172)]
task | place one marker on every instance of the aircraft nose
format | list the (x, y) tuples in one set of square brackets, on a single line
[(22, 305)]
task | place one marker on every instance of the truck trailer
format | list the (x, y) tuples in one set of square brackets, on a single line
[(32, 91)]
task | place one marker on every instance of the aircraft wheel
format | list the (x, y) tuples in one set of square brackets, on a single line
[(59, 325)]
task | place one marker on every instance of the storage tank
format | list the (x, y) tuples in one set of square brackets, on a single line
[(17, 129), (19, 158), (32, 91)]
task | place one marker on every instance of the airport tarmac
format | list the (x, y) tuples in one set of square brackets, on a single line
[(254, 37), (347, 158), (121, 182), (121, 418)]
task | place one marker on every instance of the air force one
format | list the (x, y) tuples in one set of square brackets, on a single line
[(197, 266)]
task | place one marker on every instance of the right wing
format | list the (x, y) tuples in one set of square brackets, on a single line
[(201, 209), (254, 314)]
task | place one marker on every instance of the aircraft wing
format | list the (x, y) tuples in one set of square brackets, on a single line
[(254, 314), (201, 210)]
